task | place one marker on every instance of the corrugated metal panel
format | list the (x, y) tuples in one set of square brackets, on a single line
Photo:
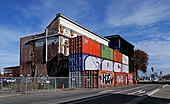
[(90, 79), (92, 63), (117, 67), (75, 62), (75, 79), (106, 52), (117, 56), (107, 65), (81, 62), (84, 45), (125, 59), (125, 68), (106, 78), (120, 79)]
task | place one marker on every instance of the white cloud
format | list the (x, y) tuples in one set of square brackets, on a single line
[(158, 52), (141, 13)]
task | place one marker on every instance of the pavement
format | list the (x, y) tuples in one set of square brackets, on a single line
[(158, 96), (133, 94)]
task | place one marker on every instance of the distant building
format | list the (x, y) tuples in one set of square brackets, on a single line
[(123, 46), (12, 71)]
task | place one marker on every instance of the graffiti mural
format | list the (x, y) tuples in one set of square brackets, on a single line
[(106, 78)]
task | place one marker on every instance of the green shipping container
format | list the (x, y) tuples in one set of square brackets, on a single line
[(107, 52)]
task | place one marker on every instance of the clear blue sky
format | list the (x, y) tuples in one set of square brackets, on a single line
[(144, 23)]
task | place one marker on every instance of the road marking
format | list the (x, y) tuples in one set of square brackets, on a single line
[(108, 94), (106, 91), (152, 92), (136, 92), (164, 86), (132, 88)]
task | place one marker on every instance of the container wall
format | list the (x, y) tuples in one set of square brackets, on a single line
[(106, 78), (92, 62), (81, 62), (120, 79), (117, 67), (107, 65), (75, 79), (125, 68), (117, 56), (130, 78), (125, 59), (84, 45), (90, 46), (75, 62), (106, 52), (90, 79)]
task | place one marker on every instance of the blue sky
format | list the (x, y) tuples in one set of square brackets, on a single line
[(144, 23)]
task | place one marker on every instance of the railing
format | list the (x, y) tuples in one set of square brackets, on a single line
[(32, 84)]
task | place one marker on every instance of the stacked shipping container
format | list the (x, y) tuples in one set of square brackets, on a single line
[(96, 64)]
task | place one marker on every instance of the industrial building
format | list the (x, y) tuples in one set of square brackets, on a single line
[(68, 49)]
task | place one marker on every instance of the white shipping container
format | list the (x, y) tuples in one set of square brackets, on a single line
[(125, 59), (92, 63), (75, 79), (117, 67), (125, 68), (107, 65)]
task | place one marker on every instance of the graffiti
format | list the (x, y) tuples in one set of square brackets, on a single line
[(120, 79), (106, 78)]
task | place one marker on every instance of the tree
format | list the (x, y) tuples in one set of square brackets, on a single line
[(140, 61)]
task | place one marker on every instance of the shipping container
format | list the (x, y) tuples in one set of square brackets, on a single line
[(107, 65), (90, 79), (82, 44), (106, 78), (125, 59), (75, 79), (106, 52), (81, 62), (120, 79), (125, 68), (117, 67), (117, 56), (130, 78)]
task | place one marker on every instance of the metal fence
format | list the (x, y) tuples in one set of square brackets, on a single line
[(28, 85)]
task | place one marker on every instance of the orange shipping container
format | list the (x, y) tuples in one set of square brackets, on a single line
[(117, 56), (106, 78), (82, 44), (120, 79)]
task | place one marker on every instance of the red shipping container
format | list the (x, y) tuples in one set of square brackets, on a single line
[(90, 79), (117, 56), (120, 79), (106, 78), (82, 44)]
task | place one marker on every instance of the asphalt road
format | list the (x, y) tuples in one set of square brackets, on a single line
[(117, 95)]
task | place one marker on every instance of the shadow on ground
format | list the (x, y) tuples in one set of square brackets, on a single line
[(118, 99)]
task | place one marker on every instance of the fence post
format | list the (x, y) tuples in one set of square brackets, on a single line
[(1, 82), (26, 85), (55, 85)]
